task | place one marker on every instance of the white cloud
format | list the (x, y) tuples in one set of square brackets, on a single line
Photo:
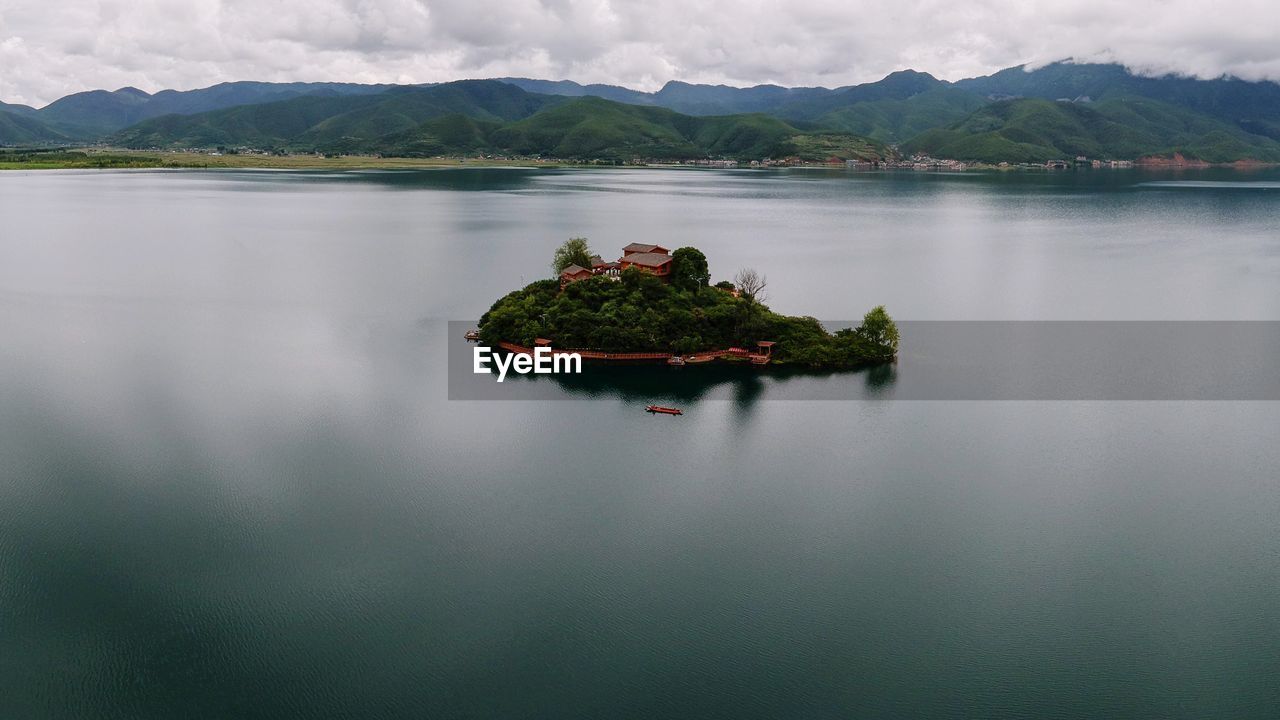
[(50, 49)]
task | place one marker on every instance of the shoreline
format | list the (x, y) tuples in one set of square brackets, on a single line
[(117, 159), (120, 159)]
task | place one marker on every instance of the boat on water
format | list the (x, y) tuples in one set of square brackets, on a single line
[(663, 410), (675, 360), (472, 335)]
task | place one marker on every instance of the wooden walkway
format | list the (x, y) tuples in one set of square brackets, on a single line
[(590, 354), (716, 354), (637, 357)]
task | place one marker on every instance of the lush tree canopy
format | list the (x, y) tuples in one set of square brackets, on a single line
[(689, 269), (641, 313), (573, 251), (879, 328)]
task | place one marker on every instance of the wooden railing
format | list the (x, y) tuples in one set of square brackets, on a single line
[(600, 355), (587, 354)]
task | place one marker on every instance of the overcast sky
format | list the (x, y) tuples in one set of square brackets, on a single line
[(49, 48)]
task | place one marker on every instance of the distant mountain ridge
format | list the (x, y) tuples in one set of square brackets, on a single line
[(1238, 119), (682, 97), (489, 115), (16, 109), (1038, 130), (16, 128), (93, 114)]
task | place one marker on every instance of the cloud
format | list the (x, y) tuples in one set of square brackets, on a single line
[(50, 49)]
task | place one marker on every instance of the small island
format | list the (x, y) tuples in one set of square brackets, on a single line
[(653, 304)]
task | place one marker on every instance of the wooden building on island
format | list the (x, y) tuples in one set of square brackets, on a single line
[(652, 259), (574, 273)]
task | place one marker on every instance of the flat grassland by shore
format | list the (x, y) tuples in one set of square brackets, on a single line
[(107, 158)]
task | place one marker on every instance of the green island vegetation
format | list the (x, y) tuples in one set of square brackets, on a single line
[(682, 313)]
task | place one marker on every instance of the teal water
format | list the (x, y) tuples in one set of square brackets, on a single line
[(231, 484)]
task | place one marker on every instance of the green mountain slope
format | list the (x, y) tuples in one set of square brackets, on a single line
[(901, 105), (403, 110), (268, 125), (687, 98), (348, 123), (896, 120), (482, 115), (692, 99), (570, 88), (25, 129), (1027, 130), (594, 128), (907, 103), (96, 113), (231, 94), (798, 103), (899, 85), (446, 135), (1235, 101), (17, 109)]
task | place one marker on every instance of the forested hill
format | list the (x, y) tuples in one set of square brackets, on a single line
[(1056, 111), (1251, 106), (491, 116), (1027, 130), (95, 113)]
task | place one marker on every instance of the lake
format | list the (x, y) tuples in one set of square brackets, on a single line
[(232, 483)]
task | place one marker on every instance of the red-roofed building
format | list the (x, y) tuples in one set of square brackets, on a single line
[(573, 273), (642, 248), (651, 262), (652, 259)]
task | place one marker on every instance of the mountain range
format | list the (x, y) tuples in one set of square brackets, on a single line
[(1018, 114)]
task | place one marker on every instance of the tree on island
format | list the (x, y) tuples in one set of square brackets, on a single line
[(573, 251), (689, 269), (751, 284), (877, 327)]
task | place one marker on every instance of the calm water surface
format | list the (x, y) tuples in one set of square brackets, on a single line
[(231, 484)]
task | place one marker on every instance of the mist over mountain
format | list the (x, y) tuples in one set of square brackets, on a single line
[(1253, 106), (1079, 109)]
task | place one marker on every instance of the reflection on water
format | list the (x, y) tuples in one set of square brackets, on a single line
[(232, 483), (743, 384), (451, 179), (1233, 184)]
